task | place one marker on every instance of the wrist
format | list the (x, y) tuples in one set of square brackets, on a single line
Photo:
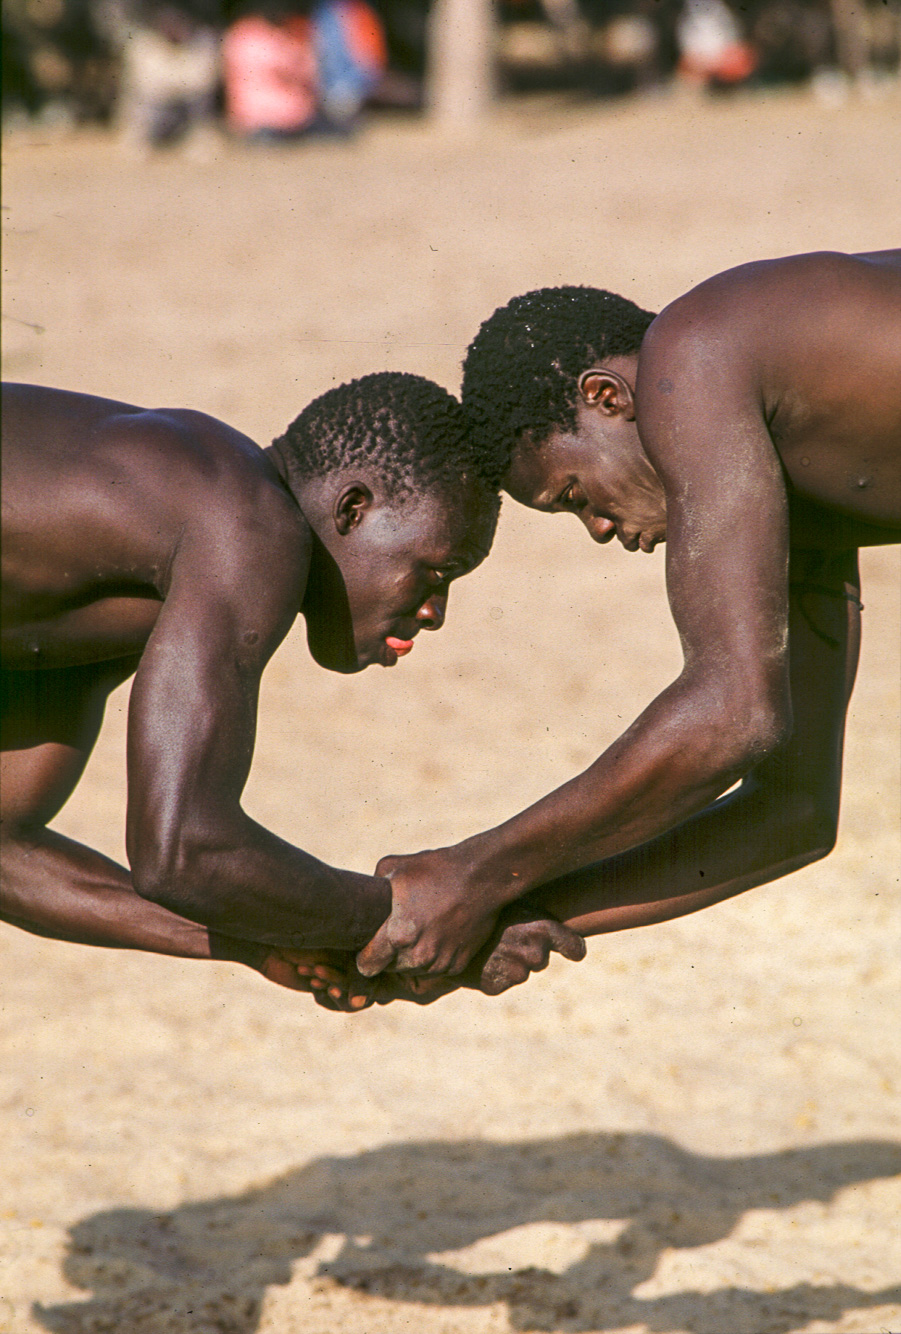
[(498, 875), (229, 949)]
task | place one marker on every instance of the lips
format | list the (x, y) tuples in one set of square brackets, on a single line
[(395, 648), (401, 646)]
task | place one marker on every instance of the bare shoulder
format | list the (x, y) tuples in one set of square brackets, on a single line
[(216, 485), (883, 259), (173, 460), (97, 485), (801, 355), (798, 285), (744, 328)]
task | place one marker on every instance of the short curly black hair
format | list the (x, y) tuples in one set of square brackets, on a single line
[(409, 430), (521, 370)]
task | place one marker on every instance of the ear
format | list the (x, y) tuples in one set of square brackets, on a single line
[(351, 504), (607, 391)]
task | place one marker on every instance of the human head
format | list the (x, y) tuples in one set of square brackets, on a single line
[(384, 471), (548, 382)]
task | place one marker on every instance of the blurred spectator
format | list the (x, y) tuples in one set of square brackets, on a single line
[(56, 61), (405, 24), (295, 67), (713, 51), (170, 75), (350, 56), (289, 72), (269, 68), (792, 38), (604, 47)]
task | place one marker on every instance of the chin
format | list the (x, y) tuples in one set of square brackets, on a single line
[(335, 658)]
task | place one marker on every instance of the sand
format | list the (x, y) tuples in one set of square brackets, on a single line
[(697, 1129)]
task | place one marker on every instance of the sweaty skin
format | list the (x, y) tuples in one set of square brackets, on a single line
[(761, 422)]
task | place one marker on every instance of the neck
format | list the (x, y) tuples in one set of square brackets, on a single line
[(277, 459)]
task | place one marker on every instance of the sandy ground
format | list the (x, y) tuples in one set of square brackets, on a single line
[(695, 1130)]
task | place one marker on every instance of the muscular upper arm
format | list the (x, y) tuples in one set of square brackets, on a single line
[(703, 427), (236, 585)]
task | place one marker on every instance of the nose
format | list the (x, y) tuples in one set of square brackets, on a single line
[(432, 612), (600, 529)]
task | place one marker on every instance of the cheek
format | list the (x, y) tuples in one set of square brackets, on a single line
[(600, 498), (380, 589)]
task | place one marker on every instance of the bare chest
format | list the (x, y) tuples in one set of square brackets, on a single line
[(100, 628), (65, 603), (844, 455)]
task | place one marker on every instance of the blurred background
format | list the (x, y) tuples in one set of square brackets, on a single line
[(163, 71)]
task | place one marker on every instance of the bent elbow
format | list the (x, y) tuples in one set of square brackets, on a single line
[(162, 877), (798, 827), (770, 729), (152, 880), (749, 737), (746, 718)]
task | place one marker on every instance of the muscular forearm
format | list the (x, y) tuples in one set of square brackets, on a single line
[(237, 878), (52, 886), (744, 840), (671, 764)]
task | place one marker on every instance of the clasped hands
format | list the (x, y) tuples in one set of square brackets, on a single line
[(442, 934)]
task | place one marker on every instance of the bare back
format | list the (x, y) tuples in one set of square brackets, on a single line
[(98, 497)]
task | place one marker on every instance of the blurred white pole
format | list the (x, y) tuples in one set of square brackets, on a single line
[(849, 21), (461, 61)]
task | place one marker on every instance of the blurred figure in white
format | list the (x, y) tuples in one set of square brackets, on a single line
[(170, 75), (712, 48)]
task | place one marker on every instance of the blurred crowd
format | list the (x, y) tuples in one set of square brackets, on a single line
[(164, 70)]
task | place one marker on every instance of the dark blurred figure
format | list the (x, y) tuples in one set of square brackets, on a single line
[(599, 47), (405, 24), (611, 47), (792, 38), (56, 60), (796, 39)]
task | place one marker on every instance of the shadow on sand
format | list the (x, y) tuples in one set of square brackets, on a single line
[(207, 1265)]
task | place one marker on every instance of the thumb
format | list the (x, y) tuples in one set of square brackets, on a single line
[(567, 942), (377, 955)]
